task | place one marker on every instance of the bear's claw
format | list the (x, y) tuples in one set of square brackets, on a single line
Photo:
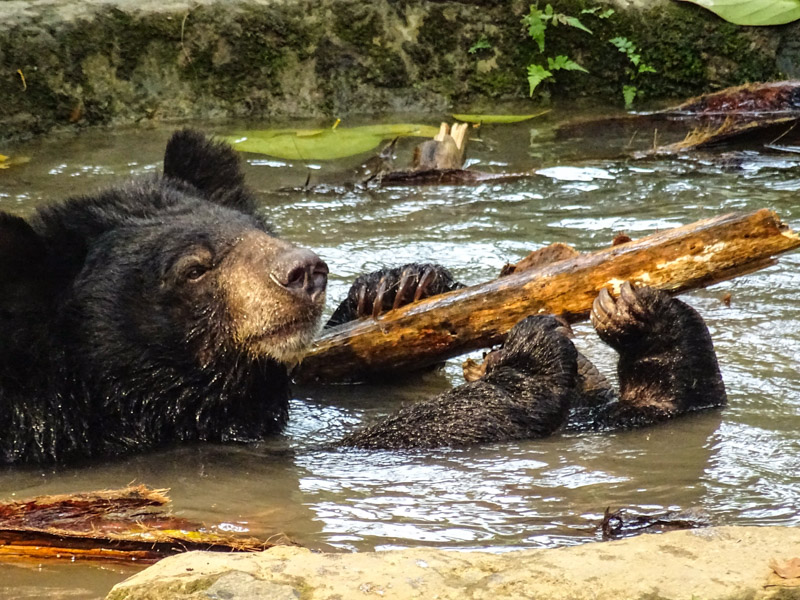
[(393, 290), (630, 315), (603, 309), (387, 289), (616, 315)]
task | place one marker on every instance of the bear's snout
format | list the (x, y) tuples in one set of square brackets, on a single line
[(301, 272)]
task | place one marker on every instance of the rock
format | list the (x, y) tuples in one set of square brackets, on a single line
[(70, 63), (242, 586), (723, 562)]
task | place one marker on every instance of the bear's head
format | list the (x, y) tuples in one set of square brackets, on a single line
[(194, 284), (164, 309)]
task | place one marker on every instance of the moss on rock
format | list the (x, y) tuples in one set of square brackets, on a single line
[(122, 61)]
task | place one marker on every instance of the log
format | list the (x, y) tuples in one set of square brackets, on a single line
[(449, 177), (429, 331), (123, 525), (754, 115), (735, 134)]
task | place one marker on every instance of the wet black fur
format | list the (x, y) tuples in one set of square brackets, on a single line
[(94, 357), (526, 393), (667, 366), (538, 383)]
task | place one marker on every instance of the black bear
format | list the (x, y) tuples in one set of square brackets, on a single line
[(166, 310), (161, 311), (155, 312)]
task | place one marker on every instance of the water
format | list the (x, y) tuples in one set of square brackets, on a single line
[(739, 465)]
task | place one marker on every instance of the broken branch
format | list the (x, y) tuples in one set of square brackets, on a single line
[(438, 328)]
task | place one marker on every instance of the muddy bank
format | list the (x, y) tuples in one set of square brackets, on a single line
[(77, 62), (724, 562)]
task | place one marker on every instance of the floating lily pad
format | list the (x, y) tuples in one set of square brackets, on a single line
[(753, 12), (323, 144), (497, 118)]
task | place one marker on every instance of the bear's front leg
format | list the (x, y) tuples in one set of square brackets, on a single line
[(525, 393), (667, 364), (378, 292)]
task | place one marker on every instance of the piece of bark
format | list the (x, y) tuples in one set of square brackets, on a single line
[(774, 97), (124, 525), (624, 523), (432, 330)]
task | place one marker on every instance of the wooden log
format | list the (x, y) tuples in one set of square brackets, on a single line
[(110, 525), (449, 177), (432, 330)]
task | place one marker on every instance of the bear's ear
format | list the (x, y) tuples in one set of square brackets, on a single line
[(211, 167), (22, 251)]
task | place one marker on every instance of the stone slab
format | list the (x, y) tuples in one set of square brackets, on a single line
[(714, 563)]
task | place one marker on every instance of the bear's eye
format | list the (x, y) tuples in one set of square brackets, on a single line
[(195, 272), (192, 266)]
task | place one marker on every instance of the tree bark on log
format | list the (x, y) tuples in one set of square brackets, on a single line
[(124, 525), (438, 328)]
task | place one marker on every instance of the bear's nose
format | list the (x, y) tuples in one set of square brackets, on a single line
[(302, 272)]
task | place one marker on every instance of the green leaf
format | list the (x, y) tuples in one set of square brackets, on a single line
[(594, 11), (535, 21), (561, 62), (536, 75), (323, 144), (622, 44), (481, 44), (497, 118), (753, 12), (629, 93), (572, 22), (646, 69)]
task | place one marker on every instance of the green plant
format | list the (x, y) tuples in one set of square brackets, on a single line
[(481, 44), (537, 21), (596, 12), (628, 48)]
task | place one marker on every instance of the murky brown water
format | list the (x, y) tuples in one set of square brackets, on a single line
[(739, 465)]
